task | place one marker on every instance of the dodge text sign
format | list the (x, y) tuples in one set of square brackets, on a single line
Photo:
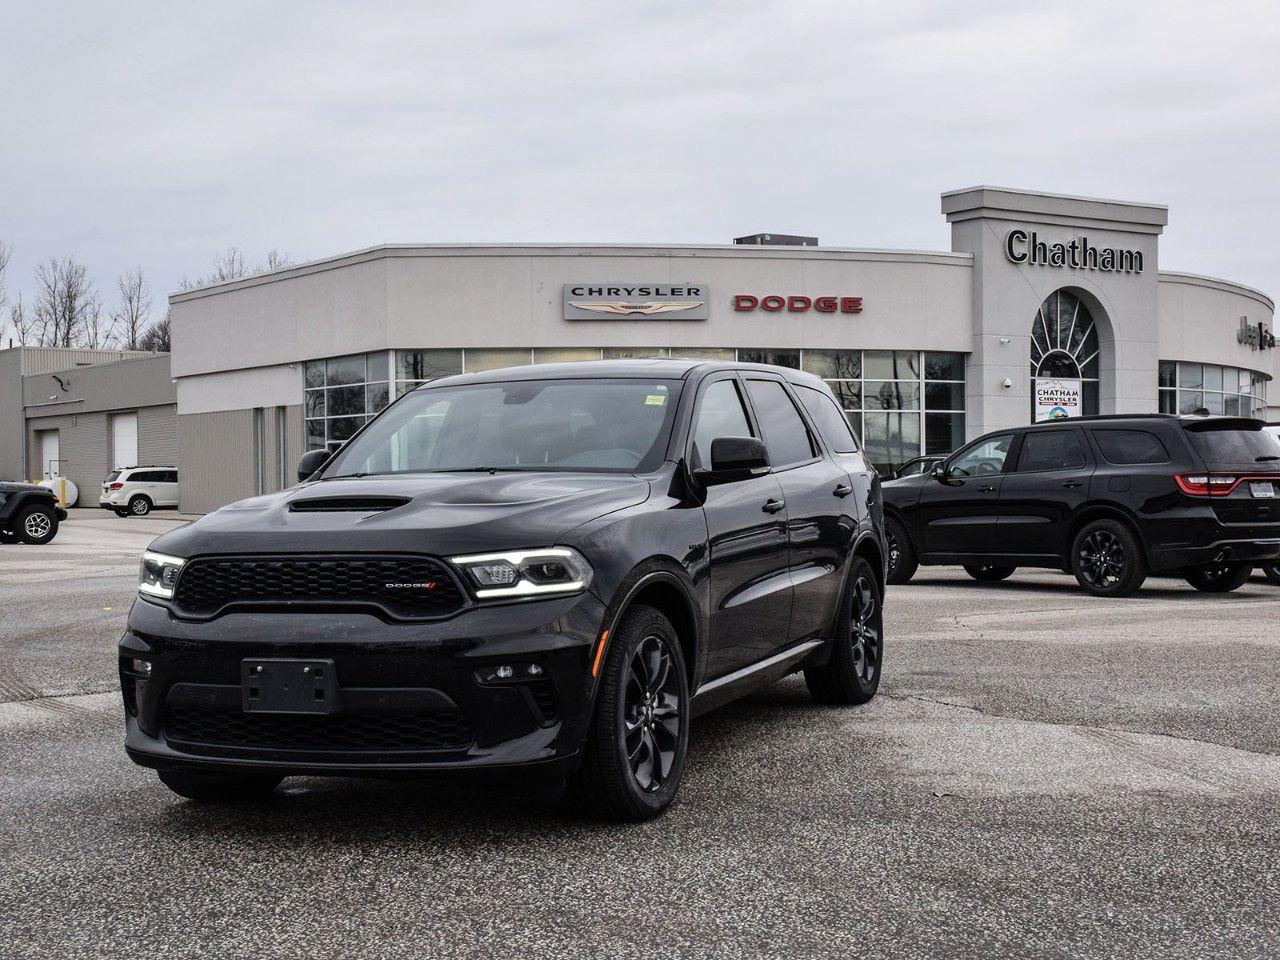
[(614, 300), (1057, 399)]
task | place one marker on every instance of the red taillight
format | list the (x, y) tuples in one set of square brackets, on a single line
[(115, 486), (1207, 484)]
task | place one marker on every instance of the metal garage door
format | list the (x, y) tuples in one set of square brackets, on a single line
[(124, 440)]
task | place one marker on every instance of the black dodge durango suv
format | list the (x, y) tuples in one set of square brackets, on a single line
[(547, 570), (1110, 499)]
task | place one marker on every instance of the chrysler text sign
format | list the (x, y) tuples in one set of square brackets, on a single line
[(1057, 399), (615, 300)]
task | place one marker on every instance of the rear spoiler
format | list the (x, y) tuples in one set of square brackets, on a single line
[(1222, 423)]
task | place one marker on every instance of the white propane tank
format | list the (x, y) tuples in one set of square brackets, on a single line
[(65, 490)]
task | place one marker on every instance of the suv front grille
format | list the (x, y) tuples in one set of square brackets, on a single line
[(199, 729), (405, 586)]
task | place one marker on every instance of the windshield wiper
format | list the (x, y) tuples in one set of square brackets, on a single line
[(482, 470)]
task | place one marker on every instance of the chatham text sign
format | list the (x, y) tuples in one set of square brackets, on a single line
[(635, 301), (1023, 247)]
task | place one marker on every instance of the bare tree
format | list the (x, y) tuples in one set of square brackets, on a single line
[(156, 336), (229, 265), (134, 309), (67, 311), (6, 252), (276, 260), (22, 323)]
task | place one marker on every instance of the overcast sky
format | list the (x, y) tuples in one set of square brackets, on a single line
[(155, 134)]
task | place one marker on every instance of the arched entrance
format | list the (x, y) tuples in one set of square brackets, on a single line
[(1065, 359)]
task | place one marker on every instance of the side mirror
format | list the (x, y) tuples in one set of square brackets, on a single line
[(311, 461), (735, 458), (940, 473)]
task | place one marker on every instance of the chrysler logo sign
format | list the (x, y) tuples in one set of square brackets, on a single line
[(635, 301)]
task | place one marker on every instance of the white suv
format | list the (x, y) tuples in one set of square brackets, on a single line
[(139, 490)]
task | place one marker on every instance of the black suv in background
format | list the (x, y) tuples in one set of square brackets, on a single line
[(29, 513), (548, 569), (1110, 499)]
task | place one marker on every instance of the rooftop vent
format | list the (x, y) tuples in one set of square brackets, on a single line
[(777, 240)]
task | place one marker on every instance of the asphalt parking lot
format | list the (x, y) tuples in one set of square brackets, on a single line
[(1043, 774)]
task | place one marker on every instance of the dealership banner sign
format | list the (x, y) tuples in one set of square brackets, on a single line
[(1057, 399), (615, 300)]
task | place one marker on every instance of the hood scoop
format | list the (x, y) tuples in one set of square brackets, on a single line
[(369, 504)]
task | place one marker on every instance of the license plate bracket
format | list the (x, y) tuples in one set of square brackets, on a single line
[(279, 685), (1262, 489)]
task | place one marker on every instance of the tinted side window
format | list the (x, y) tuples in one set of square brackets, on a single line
[(141, 476), (785, 434), (720, 415), (1130, 446), (171, 476), (830, 421), (1051, 450), (984, 459)]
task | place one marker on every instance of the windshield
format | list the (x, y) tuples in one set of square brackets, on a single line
[(617, 426), (1234, 444)]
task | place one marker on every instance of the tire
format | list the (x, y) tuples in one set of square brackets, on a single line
[(1219, 578), (1107, 559), (902, 556), (851, 674), (639, 733), (1272, 574), (121, 512), (36, 524), (988, 572), (140, 505), (211, 788)]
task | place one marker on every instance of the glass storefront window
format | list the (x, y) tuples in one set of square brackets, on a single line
[(635, 353), (420, 365), (1188, 387), (478, 360), (778, 358), (704, 353), (341, 393), (565, 354), (891, 364), (834, 364)]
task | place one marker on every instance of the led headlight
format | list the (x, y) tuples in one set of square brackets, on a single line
[(158, 575), (526, 573)]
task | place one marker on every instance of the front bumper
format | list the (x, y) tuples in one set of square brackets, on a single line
[(409, 700)]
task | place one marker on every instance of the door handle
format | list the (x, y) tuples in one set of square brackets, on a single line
[(773, 505), (842, 490), (1073, 483), (986, 488)]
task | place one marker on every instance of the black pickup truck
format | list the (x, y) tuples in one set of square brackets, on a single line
[(28, 513)]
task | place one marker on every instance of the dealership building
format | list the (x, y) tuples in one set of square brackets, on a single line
[(1045, 306)]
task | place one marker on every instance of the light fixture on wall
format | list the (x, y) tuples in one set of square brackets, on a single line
[(1006, 383), (1006, 340)]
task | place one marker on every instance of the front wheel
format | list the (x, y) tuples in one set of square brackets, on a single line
[(902, 557), (1219, 577), (988, 572), (852, 673), (1107, 559), (121, 512), (36, 524), (639, 734), (214, 788), (1272, 574)]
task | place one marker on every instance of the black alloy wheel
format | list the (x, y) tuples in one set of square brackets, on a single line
[(851, 674), (651, 714), (989, 572), (639, 733), (1272, 574), (1107, 559), (902, 557), (1219, 577)]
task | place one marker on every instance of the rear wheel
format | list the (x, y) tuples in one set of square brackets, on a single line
[(988, 572), (902, 558), (852, 673), (1272, 574), (216, 788), (140, 505), (36, 524), (1107, 559), (1219, 577), (639, 733)]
